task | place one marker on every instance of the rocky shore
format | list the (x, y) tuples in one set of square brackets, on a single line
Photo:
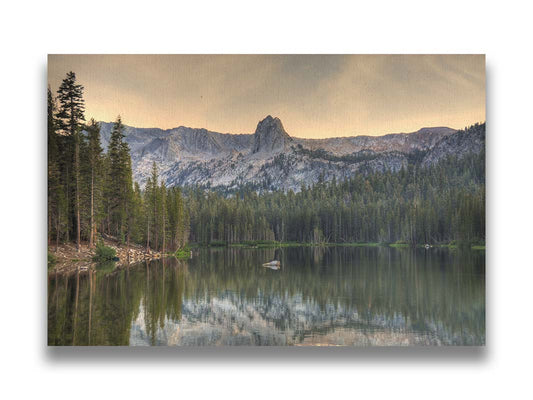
[(68, 259)]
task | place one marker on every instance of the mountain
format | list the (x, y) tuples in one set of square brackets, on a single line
[(271, 159), (270, 137), (460, 144), (404, 142)]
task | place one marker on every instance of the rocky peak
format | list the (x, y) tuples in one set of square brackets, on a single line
[(270, 136)]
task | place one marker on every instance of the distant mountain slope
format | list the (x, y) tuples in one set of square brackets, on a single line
[(271, 159), (188, 142), (404, 142), (471, 140)]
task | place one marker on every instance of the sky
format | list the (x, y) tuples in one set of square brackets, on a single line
[(315, 96)]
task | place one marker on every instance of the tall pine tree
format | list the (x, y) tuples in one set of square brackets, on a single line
[(70, 119), (95, 166), (119, 189)]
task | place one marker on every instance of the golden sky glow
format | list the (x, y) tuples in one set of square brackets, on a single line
[(315, 96)]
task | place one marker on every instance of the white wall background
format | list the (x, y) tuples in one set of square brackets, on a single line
[(30, 30)]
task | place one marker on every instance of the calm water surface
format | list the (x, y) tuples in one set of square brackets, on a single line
[(354, 296)]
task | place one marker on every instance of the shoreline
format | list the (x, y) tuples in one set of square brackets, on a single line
[(273, 245), (68, 259)]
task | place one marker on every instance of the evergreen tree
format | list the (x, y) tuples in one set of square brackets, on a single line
[(56, 212), (163, 214), (119, 183), (153, 197), (127, 194), (70, 119), (95, 160), (148, 211)]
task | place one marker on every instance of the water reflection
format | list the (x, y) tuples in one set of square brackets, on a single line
[(320, 296)]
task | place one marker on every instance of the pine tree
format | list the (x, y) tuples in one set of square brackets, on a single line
[(163, 212), (54, 174), (117, 177), (70, 120), (153, 201), (148, 211), (127, 193), (95, 159), (137, 213)]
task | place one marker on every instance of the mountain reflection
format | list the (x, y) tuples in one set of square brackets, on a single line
[(320, 296)]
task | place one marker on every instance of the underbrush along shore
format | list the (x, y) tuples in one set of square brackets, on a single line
[(65, 258)]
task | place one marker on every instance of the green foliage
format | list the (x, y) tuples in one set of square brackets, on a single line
[(260, 243), (357, 157), (217, 243), (104, 253), (119, 188), (183, 253), (51, 260)]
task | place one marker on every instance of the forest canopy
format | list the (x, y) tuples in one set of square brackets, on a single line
[(439, 204)]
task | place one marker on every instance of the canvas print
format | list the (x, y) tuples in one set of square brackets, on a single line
[(266, 200)]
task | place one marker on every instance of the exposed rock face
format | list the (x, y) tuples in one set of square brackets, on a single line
[(422, 139), (459, 145), (270, 136), (178, 142), (271, 159)]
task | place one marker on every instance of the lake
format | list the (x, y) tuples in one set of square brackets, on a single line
[(352, 296)]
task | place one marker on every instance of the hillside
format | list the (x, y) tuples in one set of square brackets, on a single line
[(271, 159)]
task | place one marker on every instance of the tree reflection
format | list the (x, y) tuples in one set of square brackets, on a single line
[(317, 290)]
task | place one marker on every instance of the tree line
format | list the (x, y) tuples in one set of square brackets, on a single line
[(91, 192), (439, 204)]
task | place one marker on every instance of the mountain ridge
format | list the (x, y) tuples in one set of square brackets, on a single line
[(161, 131), (270, 158)]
